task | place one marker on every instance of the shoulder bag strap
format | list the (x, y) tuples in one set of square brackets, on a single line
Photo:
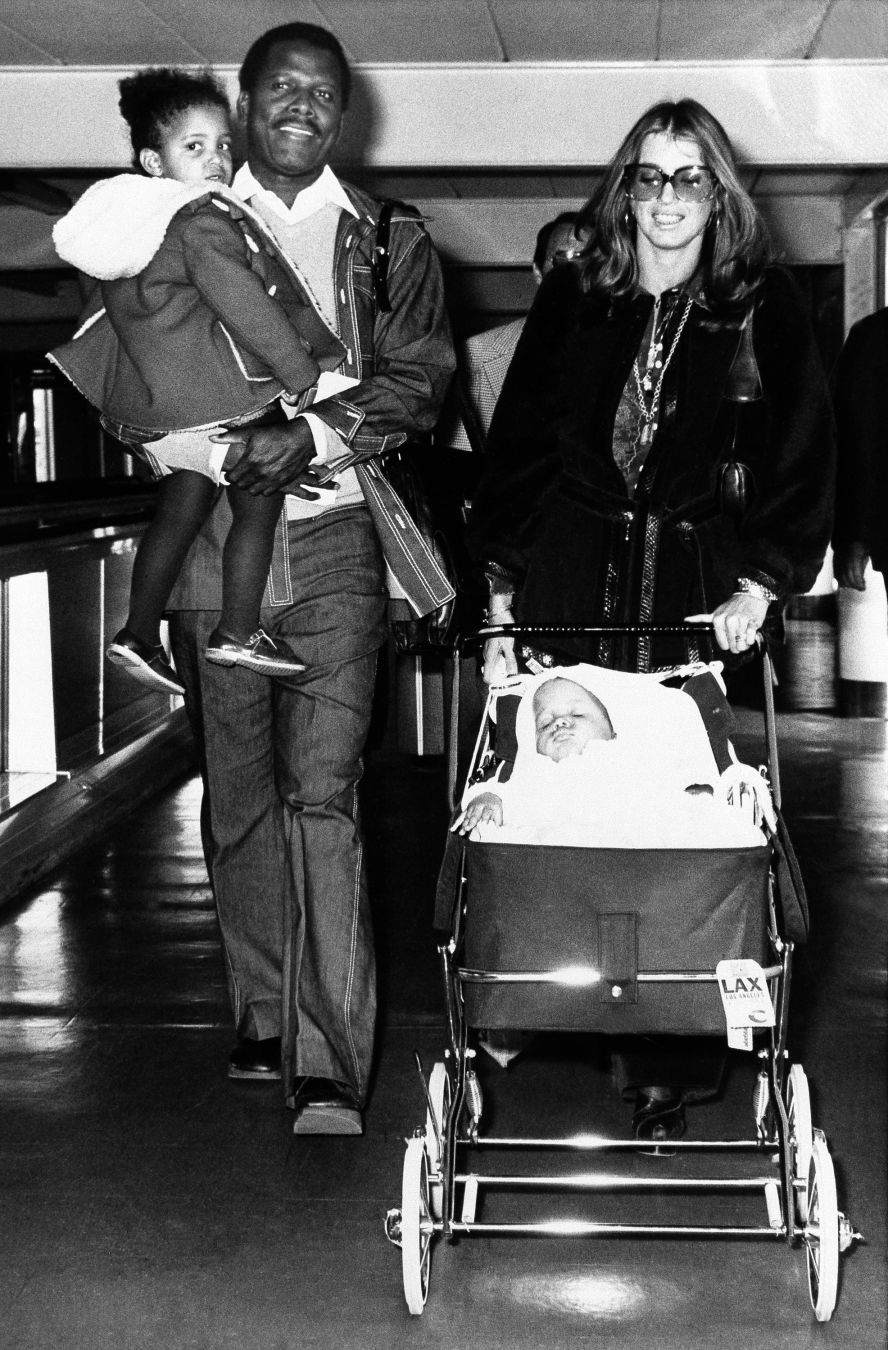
[(380, 260)]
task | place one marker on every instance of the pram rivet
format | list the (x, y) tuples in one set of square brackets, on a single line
[(617, 990)]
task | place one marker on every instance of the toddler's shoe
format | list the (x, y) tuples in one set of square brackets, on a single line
[(148, 665), (258, 653)]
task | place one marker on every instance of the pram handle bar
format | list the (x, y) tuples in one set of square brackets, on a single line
[(490, 630)]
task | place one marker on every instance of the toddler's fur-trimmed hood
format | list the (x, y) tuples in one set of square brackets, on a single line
[(117, 226)]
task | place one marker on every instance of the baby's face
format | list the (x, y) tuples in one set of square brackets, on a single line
[(566, 718)]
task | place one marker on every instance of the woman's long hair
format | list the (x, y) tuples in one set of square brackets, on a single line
[(735, 246)]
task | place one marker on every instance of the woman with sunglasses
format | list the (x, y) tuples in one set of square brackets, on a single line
[(662, 450), (663, 445)]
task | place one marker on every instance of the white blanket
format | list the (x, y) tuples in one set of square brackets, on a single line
[(629, 792)]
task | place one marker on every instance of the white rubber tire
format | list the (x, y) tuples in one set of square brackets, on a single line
[(822, 1231), (440, 1093), (416, 1225), (801, 1133)]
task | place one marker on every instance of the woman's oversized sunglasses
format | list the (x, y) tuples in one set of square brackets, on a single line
[(691, 183)]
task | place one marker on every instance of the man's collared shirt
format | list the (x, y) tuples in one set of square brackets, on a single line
[(326, 190)]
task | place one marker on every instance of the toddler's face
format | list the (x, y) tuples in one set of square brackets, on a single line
[(566, 718), (196, 148)]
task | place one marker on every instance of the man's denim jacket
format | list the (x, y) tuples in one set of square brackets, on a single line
[(403, 361)]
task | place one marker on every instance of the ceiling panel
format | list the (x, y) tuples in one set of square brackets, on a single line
[(577, 30), (16, 50), (854, 28), (408, 30), (95, 32), (142, 32), (222, 30), (728, 30)]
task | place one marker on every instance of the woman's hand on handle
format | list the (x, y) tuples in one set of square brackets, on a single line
[(499, 660), (499, 652), (849, 565), (735, 623)]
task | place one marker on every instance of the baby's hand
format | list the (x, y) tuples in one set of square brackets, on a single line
[(744, 788), (486, 807)]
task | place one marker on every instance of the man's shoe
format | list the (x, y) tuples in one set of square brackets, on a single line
[(324, 1106), (148, 665), (258, 653), (659, 1117), (259, 1060)]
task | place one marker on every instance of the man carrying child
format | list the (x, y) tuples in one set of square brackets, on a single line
[(283, 756)]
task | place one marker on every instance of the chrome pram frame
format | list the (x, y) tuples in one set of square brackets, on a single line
[(440, 1189)]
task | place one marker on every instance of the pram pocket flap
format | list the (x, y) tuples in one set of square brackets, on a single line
[(618, 958)]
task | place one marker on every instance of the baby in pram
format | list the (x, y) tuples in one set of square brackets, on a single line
[(609, 760)]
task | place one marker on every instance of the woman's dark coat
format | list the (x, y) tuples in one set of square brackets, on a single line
[(553, 510)]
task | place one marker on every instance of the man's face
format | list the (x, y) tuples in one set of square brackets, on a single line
[(292, 116)]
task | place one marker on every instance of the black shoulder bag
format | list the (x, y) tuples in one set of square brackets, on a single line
[(736, 481)]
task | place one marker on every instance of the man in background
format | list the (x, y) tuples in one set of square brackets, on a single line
[(484, 359)]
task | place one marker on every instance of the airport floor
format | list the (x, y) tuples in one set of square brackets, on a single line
[(149, 1202)]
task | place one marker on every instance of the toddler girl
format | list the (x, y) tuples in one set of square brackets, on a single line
[(199, 323)]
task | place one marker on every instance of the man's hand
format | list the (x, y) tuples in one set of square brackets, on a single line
[(275, 459), (849, 565)]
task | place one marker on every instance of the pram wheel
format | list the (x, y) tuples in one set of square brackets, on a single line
[(416, 1225), (801, 1134), (440, 1093), (821, 1232)]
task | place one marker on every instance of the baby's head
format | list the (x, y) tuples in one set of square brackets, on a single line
[(567, 718), (180, 125)]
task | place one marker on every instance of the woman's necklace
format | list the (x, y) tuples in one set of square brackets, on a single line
[(650, 386)]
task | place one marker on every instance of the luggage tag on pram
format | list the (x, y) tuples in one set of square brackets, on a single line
[(746, 1000)]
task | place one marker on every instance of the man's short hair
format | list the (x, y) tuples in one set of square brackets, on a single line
[(545, 234), (311, 35)]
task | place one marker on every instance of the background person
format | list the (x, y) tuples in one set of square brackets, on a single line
[(860, 533), (600, 501), (282, 758), (484, 358)]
